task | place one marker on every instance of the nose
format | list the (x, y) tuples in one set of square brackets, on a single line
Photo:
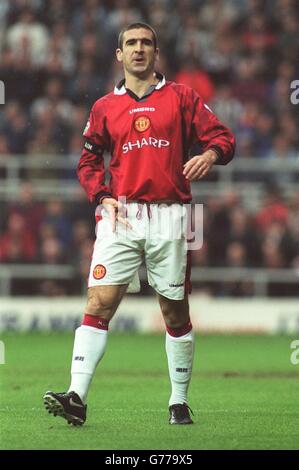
[(139, 46)]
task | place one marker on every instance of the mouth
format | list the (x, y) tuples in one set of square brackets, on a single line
[(139, 60)]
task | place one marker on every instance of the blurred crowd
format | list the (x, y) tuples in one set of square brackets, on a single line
[(267, 237), (57, 58), (62, 233)]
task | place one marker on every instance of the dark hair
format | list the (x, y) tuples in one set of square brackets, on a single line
[(136, 26)]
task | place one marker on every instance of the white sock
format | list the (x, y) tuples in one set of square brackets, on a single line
[(180, 351), (89, 348)]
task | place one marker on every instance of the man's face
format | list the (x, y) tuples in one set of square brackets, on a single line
[(138, 54)]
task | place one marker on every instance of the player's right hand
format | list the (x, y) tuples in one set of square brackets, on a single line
[(116, 212)]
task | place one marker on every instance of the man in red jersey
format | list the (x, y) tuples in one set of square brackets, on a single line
[(149, 126)]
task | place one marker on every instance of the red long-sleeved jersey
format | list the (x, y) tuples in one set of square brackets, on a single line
[(149, 140)]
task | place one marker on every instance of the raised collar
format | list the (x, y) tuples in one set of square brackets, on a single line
[(120, 88)]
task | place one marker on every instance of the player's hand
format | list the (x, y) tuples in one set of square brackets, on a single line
[(199, 166), (116, 212)]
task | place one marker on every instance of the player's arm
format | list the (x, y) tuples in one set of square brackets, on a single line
[(91, 169), (216, 140)]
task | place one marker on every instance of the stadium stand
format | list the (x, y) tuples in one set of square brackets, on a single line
[(56, 60)]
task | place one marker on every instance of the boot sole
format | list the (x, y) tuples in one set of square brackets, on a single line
[(54, 407)]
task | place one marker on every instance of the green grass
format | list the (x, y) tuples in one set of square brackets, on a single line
[(244, 394)]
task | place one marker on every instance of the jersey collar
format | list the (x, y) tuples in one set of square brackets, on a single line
[(120, 88)]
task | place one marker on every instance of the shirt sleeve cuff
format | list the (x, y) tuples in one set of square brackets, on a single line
[(218, 150), (101, 195)]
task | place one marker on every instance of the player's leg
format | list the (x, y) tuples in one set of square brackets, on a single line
[(168, 264), (116, 258), (91, 336), (180, 350), (89, 348)]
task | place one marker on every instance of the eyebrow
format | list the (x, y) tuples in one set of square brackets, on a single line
[(139, 39)]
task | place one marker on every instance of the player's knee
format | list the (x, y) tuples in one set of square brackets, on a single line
[(101, 305), (175, 316), (174, 321), (171, 317)]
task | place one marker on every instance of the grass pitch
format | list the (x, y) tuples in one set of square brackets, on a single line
[(244, 394)]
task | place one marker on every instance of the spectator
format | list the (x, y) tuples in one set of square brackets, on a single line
[(226, 106), (26, 206), (190, 74), (264, 129), (61, 48), (17, 243), (55, 216), (51, 252), (28, 38), (88, 86), (274, 210), (16, 128), (244, 232), (122, 15)]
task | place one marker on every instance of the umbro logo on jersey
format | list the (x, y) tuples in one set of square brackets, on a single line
[(141, 110), (176, 285), (158, 143)]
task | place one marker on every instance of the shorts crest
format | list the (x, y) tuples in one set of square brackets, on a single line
[(99, 271)]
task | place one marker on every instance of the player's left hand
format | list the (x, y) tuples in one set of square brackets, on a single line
[(199, 166)]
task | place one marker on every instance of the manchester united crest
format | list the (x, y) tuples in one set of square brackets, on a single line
[(99, 271), (142, 123)]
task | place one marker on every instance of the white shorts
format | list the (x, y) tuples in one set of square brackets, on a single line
[(158, 236)]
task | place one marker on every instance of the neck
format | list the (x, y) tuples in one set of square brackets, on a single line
[(140, 85)]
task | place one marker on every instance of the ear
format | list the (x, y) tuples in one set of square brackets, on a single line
[(157, 54), (119, 55)]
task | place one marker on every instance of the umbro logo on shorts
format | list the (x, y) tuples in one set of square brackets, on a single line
[(79, 358)]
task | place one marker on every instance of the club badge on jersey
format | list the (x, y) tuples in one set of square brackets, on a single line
[(142, 123)]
